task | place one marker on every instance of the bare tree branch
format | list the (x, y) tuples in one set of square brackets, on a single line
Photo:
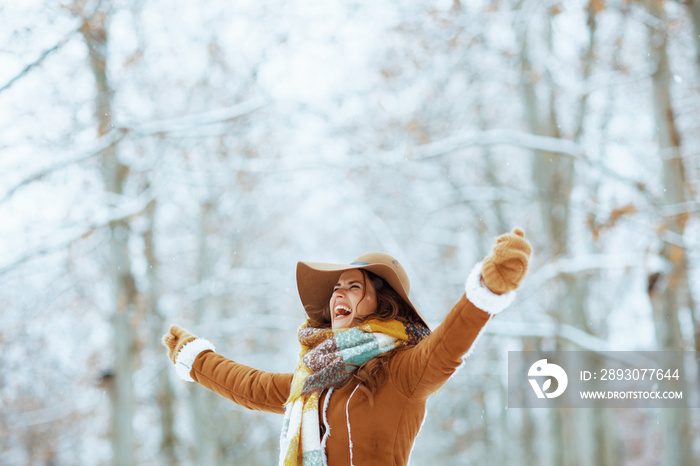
[(58, 241), (580, 338), (579, 264), (44, 416), (188, 122), (499, 137), (114, 136), (40, 59), (516, 138), (46, 53), (95, 149)]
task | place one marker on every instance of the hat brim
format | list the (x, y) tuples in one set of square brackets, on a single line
[(315, 282)]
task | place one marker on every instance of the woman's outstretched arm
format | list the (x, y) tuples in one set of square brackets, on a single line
[(489, 289), (195, 360)]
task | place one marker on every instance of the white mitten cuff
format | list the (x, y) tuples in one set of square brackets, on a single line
[(482, 297), (185, 358)]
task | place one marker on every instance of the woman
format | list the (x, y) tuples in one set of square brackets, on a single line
[(368, 360)]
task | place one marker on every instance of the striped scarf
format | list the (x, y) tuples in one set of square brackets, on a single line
[(327, 358)]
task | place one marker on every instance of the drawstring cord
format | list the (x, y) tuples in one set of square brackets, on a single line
[(347, 418), (327, 433)]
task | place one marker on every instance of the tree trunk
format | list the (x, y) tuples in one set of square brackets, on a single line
[(694, 10), (202, 402), (156, 323), (669, 292), (552, 177), (94, 32)]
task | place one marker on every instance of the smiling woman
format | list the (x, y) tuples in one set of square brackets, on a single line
[(362, 333)]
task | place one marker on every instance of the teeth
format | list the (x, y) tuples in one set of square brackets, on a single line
[(342, 310)]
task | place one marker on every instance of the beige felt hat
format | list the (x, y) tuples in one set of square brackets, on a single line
[(315, 281)]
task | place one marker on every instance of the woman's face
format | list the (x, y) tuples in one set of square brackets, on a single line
[(353, 297)]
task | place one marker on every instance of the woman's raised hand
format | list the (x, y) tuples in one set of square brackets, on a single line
[(175, 339), (504, 269)]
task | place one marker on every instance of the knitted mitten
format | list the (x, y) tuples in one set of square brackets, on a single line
[(504, 269), (175, 339)]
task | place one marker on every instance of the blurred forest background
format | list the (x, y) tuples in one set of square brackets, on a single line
[(170, 162)]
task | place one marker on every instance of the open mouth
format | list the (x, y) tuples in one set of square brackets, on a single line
[(342, 311)]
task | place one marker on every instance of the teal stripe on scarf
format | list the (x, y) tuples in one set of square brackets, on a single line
[(359, 346)]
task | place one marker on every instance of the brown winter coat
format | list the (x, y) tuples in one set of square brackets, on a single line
[(383, 434)]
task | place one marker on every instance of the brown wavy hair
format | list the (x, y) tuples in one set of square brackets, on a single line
[(373, 374)]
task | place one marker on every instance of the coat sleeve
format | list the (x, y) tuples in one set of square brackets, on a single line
[(421, 370), (248, 387)]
